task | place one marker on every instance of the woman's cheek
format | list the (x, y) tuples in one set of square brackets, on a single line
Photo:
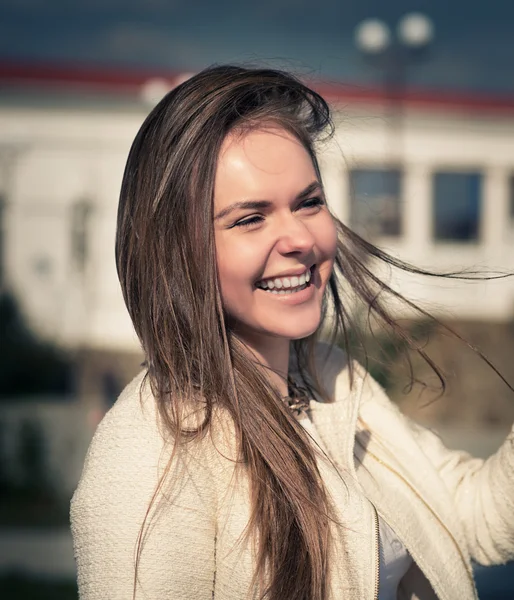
[(328, 237)]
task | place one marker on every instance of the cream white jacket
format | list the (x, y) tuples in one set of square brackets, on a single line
[(447, 507)]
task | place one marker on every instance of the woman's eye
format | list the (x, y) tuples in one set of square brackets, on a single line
[(249, 221), (312, 203)]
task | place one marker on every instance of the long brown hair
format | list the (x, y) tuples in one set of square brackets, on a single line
[(166, 262)]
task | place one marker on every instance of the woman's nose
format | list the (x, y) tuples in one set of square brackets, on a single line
[(294, 236)]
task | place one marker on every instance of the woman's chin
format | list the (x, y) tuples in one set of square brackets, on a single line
[(279, 327), (297, 331)]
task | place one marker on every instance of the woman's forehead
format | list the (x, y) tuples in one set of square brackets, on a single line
[(260, 161)]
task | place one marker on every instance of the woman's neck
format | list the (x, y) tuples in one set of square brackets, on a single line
[(273, 355)]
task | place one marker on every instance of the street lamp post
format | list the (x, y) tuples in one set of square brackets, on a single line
[(393, 54)]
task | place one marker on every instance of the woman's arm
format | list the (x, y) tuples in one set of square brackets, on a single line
[(483, 492), (108, 509)]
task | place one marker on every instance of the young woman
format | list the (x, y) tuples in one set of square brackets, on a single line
[(248, 460)]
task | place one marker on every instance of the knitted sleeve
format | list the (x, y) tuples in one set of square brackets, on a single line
[(109, 507), (482, 490)]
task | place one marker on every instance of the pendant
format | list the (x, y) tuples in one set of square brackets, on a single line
[(298, 398)]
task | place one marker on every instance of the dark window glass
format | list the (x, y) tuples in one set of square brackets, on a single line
[(375, 208), (456, 208)]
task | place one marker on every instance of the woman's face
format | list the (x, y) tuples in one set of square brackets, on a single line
[(275, 239)]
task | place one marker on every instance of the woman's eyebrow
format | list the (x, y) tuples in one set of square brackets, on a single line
[(249, 204), (315, 186)]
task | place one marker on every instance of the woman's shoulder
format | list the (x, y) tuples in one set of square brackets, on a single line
[(135, 403), (131, 481), (131, 443), (132, 424), (126, 444), (341, 374), (334, 370)]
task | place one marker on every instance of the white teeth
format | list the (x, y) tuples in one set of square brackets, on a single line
[(285, 282), (287, 292)]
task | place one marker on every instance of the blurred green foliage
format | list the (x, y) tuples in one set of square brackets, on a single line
[(30, 499), (28, 365), (19, 587)]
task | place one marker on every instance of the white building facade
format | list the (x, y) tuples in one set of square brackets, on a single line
[(436, 190)]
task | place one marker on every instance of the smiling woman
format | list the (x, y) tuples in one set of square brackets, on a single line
[(248, 460), (270, 245)]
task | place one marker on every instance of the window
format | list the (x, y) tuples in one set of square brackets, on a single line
[(375, 206), (456, 207)]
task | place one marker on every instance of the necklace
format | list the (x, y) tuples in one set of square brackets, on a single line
[(297, 398)]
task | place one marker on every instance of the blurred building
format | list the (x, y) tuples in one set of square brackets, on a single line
[(431, 179)]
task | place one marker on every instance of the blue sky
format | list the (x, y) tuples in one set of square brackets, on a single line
[(473, 47)]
